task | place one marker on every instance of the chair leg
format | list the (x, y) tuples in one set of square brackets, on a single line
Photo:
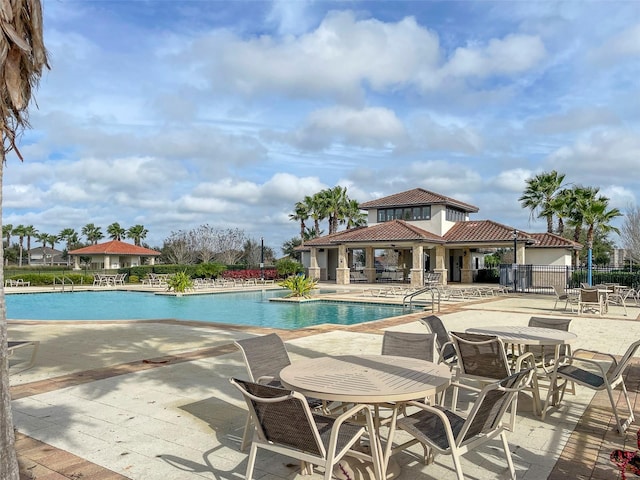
[(251, 461), (457, 464), (507, 453), (247, 432), (620, 425)]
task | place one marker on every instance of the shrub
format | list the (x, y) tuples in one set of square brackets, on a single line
[(180, 282), (299, 285), (286, 267)]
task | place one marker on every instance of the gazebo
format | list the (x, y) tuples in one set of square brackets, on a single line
[(114, 254)]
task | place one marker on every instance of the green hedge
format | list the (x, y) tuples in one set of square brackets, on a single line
[(43, 279)]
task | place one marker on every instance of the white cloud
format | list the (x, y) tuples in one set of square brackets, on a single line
[(624, 44)]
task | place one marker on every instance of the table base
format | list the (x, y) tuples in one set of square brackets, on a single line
[(351, 468)]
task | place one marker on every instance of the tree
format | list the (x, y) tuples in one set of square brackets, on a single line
[(22, 60), (7, 231), (289, 248), (228, 245), (92, 233), (630, 233), (540, 193), (300, 214), (69, 236), (179, 248), (578, 200), (20, 231), (353, 216), (52, 240), (115, 231), (137, 233), (29, 232)]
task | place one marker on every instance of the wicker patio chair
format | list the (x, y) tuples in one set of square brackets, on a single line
[(286, 425), (483, 359), (443, 431), (590, 373), (264, 357)]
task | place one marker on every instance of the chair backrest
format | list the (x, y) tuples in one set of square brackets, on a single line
[(559, 291), (281, 416), (407, 344), (492, 403), (555, 323), (435, 325), (589, 295), (624, 361), (264, 356), (481, 355)]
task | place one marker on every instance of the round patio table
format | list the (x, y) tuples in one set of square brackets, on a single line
[(368, 379), (525, 335)]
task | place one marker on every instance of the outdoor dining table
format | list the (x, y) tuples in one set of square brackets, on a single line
[(533, 336), (368, 379)]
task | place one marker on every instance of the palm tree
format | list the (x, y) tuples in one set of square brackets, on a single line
[(29, 231), (7, 231), (597, 216), (539, 195), (20, 231), (43, 238), (315, 207), (70, 236), (52, 240), (137, 233), (300, 214), (21, 63), (578, 201), (115, 231), (353, 216), (92, 233)]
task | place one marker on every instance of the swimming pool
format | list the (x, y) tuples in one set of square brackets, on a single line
[(242, 308)]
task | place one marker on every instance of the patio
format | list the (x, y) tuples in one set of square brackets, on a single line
[(147, 400)]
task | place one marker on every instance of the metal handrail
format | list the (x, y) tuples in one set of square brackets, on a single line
[(62, 282), (428, 288)]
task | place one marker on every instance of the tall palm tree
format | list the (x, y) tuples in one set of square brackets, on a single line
[(29, 231), (596, 215), (137, 233), (7, 231), (52, 240), (69, 236), (315, 206), (22, 60), (300, 214), (334, 203), (539, 195), (578, 201), (20, 231), (115, 231), (43, 238), (92, 233), (353, 216)]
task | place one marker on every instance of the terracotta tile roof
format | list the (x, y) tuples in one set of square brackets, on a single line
[(114, 247), (551, 240), (417, 196), (394, 230), (483, 231)]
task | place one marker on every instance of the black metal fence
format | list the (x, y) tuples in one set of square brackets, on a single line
[(540, 278)]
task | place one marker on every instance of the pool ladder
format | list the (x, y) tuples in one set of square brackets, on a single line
[(408, 300), (64, 281)]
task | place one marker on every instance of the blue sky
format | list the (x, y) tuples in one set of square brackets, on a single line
[(176, 113)]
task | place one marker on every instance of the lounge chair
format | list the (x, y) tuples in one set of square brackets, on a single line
[(13, 346)]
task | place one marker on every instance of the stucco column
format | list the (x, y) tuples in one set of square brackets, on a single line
[(521, 252), (342, 272), (107, 262), (466, 274), (370, 264), (314, 269), (152, 260), (76, 262), (439, 264), (417, 269)]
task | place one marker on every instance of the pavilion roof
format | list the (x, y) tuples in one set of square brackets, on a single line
[(417, 196), (115, 247)]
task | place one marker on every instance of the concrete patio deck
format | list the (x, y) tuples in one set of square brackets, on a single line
[(151, 400)]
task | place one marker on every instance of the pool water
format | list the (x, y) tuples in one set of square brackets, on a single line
[(244, 308)]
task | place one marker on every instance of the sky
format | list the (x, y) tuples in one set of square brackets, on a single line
[(174, 114)]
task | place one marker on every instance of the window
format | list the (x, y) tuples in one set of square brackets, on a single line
[(455, 215), (407, 213)]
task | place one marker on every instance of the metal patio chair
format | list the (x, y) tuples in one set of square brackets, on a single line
[(443, 431), (286, 425), (591, 374), (408, 344)]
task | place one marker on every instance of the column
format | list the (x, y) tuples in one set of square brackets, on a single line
[(342, 272), (370, 264), (417, 269), (314, 269), (440, 262)]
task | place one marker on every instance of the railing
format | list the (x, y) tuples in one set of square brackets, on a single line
[(408, 300), (63, 282), (540, 278)]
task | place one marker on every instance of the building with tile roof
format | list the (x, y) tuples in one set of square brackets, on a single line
[(428, 231), (114, 254)]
